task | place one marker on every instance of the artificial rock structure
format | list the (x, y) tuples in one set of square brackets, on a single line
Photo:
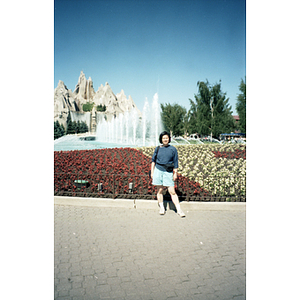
[(66, 101)]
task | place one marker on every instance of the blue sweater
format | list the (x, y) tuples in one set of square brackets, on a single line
[(166, 155)]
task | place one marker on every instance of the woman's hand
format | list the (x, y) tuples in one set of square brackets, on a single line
[(174, 174)]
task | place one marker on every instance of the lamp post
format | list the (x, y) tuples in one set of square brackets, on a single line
[(100, 187), (130, 187)]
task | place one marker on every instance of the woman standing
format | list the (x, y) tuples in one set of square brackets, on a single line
[(164, 169)]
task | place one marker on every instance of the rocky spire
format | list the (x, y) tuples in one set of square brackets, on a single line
[(84, 90)]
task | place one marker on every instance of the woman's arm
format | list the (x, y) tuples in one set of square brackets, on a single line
[(154, 157), (175, 174), (152, 169)]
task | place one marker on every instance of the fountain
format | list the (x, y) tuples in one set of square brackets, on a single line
[(210, 140), (193, 140), (146, 113), (126, 130), (156, 114), (130, 129), (180, 140)]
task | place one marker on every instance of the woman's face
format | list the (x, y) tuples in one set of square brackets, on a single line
[(165, 139)]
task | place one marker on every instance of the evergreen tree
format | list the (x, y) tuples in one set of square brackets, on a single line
[(101, 107), (62, 130), (56, 130), (85, 128), (71, 127), (76, 126), (59, 130), (241, 106), (82, 127)]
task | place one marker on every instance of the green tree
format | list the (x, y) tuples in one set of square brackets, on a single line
[(88, 106), (82, 127), (210, 113), (200, 112), (59, 130), (56, 130), (241, 106), (71, 127), (76, 126), (101, 107), (222, 120), (173, 117), (62, 130)]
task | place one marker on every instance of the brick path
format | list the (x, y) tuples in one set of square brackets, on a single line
[(127, 253)]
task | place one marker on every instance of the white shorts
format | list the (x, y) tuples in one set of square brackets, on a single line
[(162, 178)]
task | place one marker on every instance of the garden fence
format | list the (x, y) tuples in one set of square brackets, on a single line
[(137, 186)]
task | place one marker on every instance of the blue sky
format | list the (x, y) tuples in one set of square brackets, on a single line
[(148, 47)]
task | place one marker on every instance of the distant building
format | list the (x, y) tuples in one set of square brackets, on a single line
[(237, 118)]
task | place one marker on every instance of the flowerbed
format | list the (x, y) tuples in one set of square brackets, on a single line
[(219, 169), (236, 153), (114, 169)]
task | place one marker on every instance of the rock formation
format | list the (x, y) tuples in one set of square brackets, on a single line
[(124, 103), (84, 90), (65, 100), (105, 96)]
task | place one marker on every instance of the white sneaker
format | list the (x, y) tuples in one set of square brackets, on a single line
[(181, 213), (162, 211)]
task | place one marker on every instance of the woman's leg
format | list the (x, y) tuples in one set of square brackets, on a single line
[(160, 199), (173, 194), (175, 200), (160, 196)]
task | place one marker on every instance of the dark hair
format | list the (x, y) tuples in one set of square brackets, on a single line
[(162, 134)]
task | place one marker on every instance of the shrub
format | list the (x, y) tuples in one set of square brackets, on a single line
[(88, 106), (101, 107)]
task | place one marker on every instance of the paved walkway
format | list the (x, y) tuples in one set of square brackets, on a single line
[(111, 250)]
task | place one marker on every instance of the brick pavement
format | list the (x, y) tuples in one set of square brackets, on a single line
[(127, 253)]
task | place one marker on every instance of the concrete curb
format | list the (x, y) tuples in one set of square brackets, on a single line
[(146, 204)]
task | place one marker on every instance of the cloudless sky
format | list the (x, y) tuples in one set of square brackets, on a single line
[(148, 47)]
